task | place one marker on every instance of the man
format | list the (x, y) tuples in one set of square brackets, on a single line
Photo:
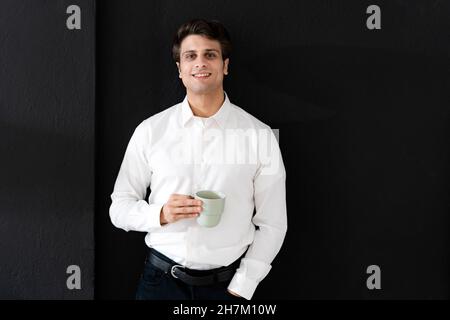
[(202, 143)]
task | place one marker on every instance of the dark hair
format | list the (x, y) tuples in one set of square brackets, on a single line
[(213, 30)]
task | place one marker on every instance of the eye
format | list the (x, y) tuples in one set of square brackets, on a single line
[(211, 55), (190, 56)]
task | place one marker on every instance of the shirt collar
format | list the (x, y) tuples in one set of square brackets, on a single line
[(220, 116)]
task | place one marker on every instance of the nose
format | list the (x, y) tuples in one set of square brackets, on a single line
[(200, 63)]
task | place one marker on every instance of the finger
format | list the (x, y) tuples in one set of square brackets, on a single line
[(185, 216), (186, 210), (186, 202), (180, 196)]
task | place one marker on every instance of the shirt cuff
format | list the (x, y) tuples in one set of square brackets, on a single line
[(243, 286), (154, 217)]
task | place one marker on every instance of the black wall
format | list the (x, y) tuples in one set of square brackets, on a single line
[(47, 123), (364, 130)]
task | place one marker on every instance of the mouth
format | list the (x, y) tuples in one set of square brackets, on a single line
[(203, 75)]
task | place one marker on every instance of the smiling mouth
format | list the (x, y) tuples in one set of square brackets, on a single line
[(202, 75)]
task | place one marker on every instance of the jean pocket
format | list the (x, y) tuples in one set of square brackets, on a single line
[(152, 275)]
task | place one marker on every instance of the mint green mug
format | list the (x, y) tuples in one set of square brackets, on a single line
[(213, 205)]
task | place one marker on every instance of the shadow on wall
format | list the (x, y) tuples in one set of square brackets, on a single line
[(362, 119), (306, 83)]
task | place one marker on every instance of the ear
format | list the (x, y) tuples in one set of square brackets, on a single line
[(225, 66), (179, 71)]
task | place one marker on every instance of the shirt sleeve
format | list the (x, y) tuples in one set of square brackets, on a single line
[(129, 210), (270, 220)]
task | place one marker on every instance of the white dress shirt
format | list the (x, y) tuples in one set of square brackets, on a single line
[(174, 151)]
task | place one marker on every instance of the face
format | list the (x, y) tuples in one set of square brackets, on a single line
[(201, 67)]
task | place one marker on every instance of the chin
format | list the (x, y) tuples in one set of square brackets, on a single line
[(203, 90)]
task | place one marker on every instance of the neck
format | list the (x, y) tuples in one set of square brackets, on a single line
[(206, 105)]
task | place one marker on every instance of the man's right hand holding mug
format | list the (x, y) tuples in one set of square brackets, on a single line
[(180, 206)]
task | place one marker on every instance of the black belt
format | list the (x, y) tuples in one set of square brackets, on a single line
[(202, 277)]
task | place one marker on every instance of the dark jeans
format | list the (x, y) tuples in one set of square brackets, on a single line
[(154, 284)]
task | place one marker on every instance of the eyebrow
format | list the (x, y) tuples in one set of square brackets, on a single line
[(194, 51)]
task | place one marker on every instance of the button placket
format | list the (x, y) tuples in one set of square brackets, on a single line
[(204, 160), (197, 176)]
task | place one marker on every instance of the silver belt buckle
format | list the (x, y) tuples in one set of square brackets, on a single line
[(172, 270)]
